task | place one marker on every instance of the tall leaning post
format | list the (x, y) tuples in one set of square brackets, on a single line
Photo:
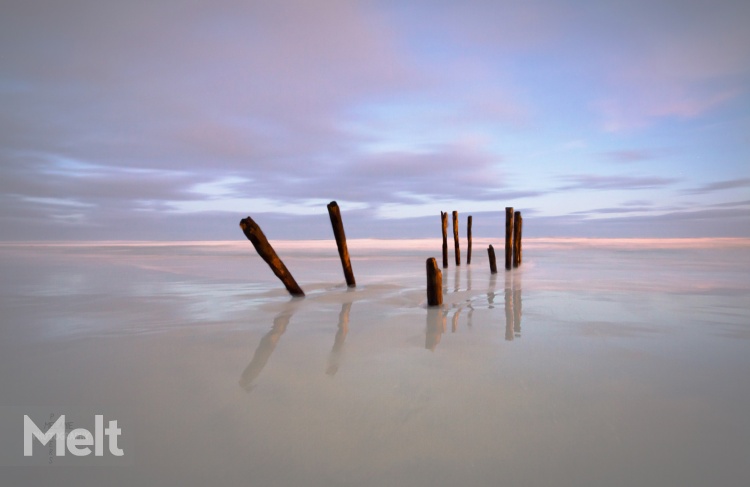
[(434, 283), (468, 240), (338, 232), (444, 221), (520, 240), (508, 236), (516, 238), (456, 246), (493, 261), (253, 233)]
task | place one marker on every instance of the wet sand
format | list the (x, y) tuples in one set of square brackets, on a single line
[(598, 362)]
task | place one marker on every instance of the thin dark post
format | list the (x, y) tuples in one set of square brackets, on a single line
[(338, 233), (253, 233), (468, 238), (516, 238), (519, 232), (455, 238), (508, 236), (434, 283), (444, 220), (493, 262)]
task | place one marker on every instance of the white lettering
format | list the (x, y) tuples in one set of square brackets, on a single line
[(77, 441), (30, 429)]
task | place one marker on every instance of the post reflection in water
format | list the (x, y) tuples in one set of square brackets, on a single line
[(512, 306), (517, 305), (491, 291), (334, 358), (454, 322), (265, 349), (436, 319)]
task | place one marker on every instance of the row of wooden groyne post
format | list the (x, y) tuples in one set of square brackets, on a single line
[(513, 251)]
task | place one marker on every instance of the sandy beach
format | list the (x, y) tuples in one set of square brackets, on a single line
[(597, 362)]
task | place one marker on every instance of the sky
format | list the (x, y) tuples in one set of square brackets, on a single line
[(173, 120)]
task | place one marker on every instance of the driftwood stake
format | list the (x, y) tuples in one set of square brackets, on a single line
[(253, 233), (493, 261), (508, 236), (338, 233), (468, 238), (516, 238), (434, 283), (444, 220), (457, 248)]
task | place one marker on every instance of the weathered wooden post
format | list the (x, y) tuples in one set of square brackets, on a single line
[(516, 238), (444, 220), (493, 262), (519, 232), (456, 247), (338, 233), (253, 233), (434, 283), (468, 238), (508, 236)]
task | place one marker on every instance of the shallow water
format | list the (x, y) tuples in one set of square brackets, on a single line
[(597, 362)]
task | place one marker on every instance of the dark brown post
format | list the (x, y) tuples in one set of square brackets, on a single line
[(434, 283), (457, 249), (516, 238), (253, 233), (468, 238), (508, 236), (338, 233), (493, 262), (444, 220), (519, 232)]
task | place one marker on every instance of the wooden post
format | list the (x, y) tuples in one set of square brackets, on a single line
[(338, 233), (493, 262), (508, 236), (516, 238), (444, 220), (457, 249), (468, 238), (519, 232), (253, 233), (434, 283)]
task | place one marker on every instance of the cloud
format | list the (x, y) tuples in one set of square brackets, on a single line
[(597, 182), (682, 60), (626, 156), (117, 114), (720, 186)]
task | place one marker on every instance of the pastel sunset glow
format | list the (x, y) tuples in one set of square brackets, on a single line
[(172, 120)]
